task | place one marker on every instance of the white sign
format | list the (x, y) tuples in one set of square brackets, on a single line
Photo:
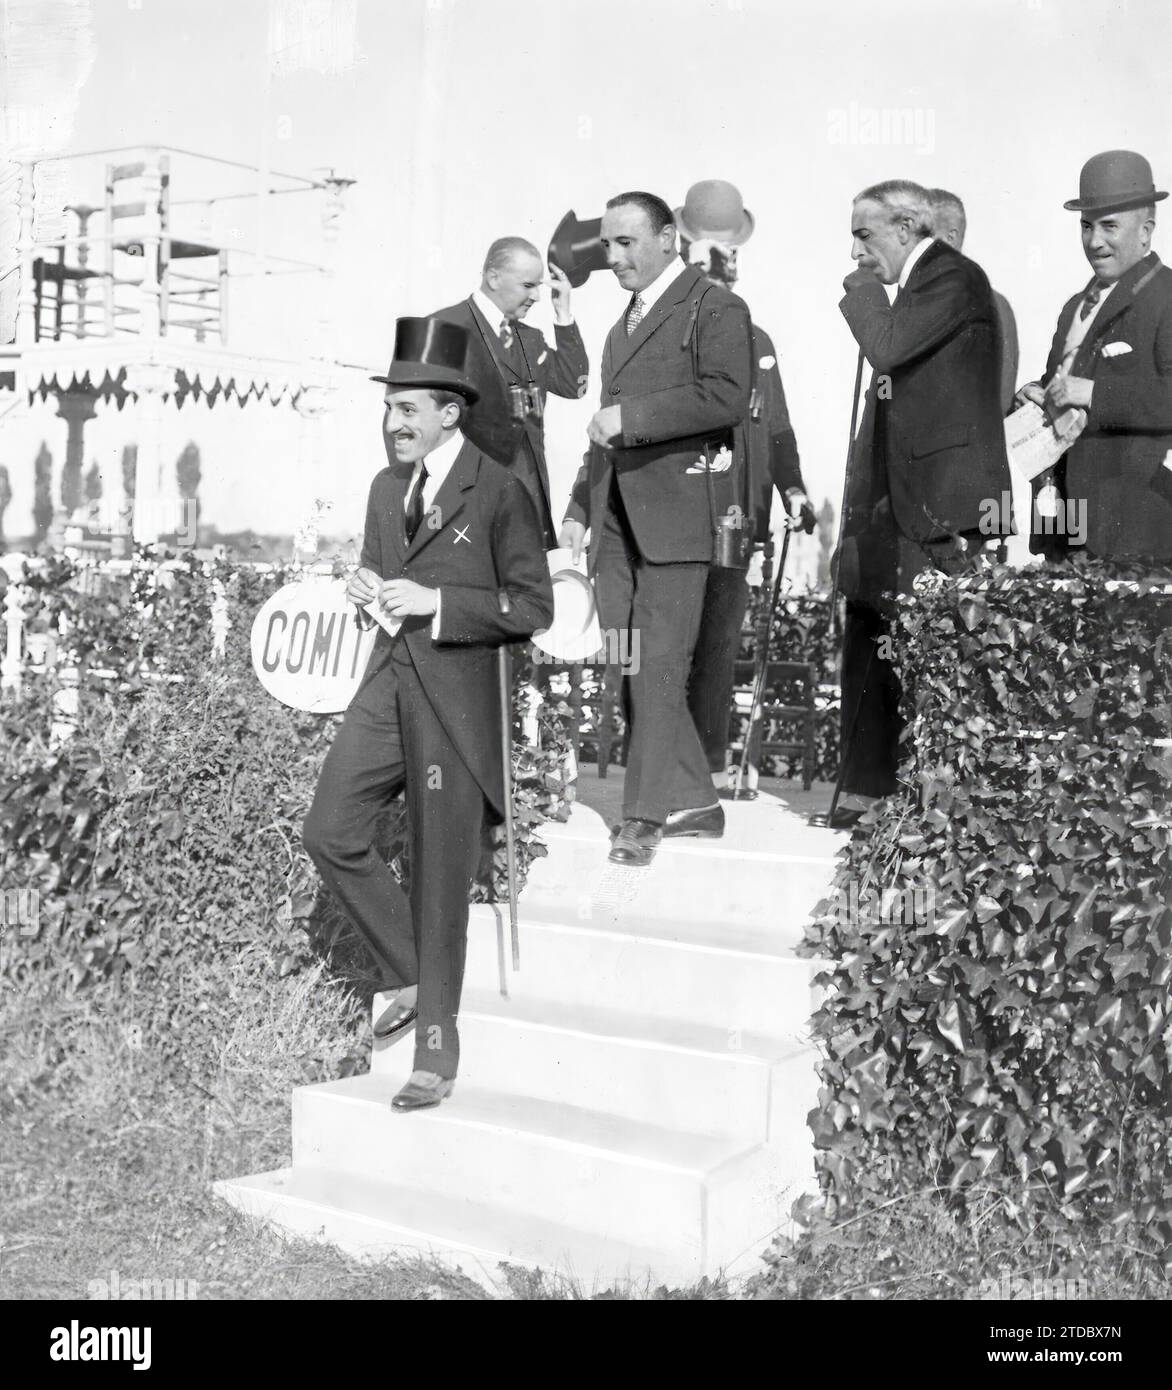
[(307, 648)]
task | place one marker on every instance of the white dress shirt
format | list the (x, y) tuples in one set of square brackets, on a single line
[(495, 318), (913, 256), (1080, 327), (651, 296), (439, 465), (655, 290)]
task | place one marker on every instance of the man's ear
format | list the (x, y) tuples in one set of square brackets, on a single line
[(451, 416)]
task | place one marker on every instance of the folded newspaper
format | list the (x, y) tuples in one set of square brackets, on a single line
[(1035, 442)]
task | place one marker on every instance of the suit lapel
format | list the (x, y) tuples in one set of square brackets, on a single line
[(1057, 348), (624, 347), (401, 476), (493, 343), (449, 500), (926, 268), (1120, 300)]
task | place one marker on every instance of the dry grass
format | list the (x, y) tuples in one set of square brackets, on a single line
[(111, 1149)]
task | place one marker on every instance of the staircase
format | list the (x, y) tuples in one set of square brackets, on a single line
[(634, 1112)]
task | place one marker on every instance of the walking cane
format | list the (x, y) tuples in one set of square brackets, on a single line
[(846, 483), (505, 684), (762, 667), (834, 626)]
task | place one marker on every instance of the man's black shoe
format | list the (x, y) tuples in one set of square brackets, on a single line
[(705, 822), (393, 1019), (636, 842), (845, 818)]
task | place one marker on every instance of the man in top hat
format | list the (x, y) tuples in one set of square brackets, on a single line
[(929, 452), (676, 374), (1112, 357), (452, 556), (713, 224), (512, 365)]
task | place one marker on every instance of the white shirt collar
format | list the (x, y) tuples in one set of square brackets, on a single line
[(655, 290), (913, 256), (492, 312), (439, 465)]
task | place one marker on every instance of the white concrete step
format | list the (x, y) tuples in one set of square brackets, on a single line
[(763, 878), (650, 970), (635, 1109), (621, 1179), (371, 1219), (688, 1075)]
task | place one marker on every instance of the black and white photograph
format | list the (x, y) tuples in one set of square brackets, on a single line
[(585, 665)]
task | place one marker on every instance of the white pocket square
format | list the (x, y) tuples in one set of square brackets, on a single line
[(720, 464), (1115, 349)]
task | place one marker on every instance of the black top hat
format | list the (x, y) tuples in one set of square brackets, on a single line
[(1115, 181), (430, 352), (576, 249)]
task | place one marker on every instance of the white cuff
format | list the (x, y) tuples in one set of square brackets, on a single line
[(435, 622)]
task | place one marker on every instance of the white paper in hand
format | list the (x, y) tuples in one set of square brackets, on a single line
[(1034, 444), (392, 625)]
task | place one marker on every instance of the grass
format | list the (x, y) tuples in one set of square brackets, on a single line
[(110, 1151), (112, 1142)]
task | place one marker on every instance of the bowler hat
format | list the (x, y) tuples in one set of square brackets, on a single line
[(715, 211), (430, 352), (1113, 182), (576, 248)]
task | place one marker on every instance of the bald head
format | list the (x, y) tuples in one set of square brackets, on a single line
[(513, 273)]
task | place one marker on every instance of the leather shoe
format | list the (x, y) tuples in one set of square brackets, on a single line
[(845, 818), (394, 1019), (705, 822), (636, 842), (423, 1090)]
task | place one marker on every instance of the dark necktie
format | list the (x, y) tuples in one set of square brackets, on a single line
[(1091, 298), (414, 505)]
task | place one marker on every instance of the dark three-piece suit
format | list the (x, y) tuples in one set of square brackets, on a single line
[(427, 717), (1120, 467), (520, 443), (928, 458), (682, 380)]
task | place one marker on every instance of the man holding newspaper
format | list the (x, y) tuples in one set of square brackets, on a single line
[(1108, 381)]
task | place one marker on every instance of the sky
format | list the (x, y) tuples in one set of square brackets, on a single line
[(463, 120)]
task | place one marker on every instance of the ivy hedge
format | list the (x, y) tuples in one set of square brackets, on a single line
[(997, 1008), (164, 834)]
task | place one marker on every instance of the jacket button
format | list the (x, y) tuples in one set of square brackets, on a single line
[(614, 390)]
